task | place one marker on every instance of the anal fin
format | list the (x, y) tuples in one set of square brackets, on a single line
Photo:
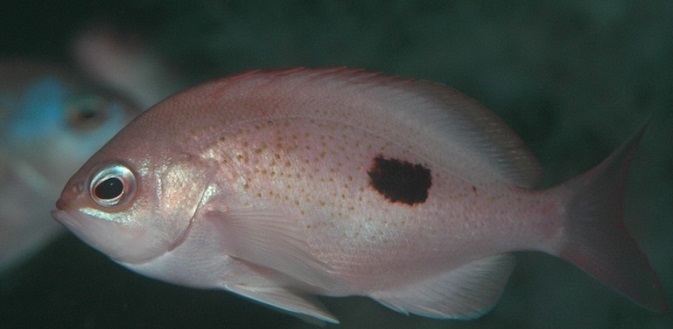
[(463, 293)]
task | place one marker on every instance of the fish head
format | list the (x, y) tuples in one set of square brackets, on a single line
[(59, 116), (132, 201)]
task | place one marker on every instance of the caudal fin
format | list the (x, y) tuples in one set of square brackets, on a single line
[(595, 237)]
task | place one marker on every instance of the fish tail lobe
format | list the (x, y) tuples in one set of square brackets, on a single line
[(595, 238)]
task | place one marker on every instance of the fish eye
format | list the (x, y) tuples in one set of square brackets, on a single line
[(112, 185), (86, 112)]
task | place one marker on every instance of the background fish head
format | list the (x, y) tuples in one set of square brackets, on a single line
[(133, 201), (51, 120), (54, 120)]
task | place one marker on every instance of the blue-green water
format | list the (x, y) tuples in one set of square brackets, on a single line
[(573, 78)]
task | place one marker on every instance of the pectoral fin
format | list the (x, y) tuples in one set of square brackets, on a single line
[(267, 238), (463, 293)]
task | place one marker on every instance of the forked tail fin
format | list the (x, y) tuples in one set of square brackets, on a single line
[(595, 238)]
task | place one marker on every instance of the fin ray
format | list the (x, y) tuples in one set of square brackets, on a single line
[(267, 238), (595, 237), (305, 307)]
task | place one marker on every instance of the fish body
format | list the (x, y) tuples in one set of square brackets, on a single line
[(287, 184), (52, 120)]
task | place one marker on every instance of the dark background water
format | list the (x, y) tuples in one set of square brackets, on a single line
[(573, 78)]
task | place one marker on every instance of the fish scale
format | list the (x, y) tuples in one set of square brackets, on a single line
[(286, 171)]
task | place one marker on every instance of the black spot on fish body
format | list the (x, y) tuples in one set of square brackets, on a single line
[(400, 181)]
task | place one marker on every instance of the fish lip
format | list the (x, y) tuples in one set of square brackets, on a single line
[(66, 220), (62, 216), (60, 210), (64, 209), (60, 205)]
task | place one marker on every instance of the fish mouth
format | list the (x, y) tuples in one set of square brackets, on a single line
[(62, 216), (59, 213), (60, 205), (67, 216), (64, 209)]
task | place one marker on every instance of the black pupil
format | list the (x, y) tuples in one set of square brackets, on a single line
[(109, 188), (87, 113)]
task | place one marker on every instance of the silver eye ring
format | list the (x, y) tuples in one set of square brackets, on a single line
[(112, 185)]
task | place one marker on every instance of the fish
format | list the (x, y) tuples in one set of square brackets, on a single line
[(284, 185), (125, 62), (52, 121)]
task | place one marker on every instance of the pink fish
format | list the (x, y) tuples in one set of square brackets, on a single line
[(280, 186)]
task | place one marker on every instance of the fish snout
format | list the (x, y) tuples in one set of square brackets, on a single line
[(61, 211), (70, 194), (60, 205), (58, 214)]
